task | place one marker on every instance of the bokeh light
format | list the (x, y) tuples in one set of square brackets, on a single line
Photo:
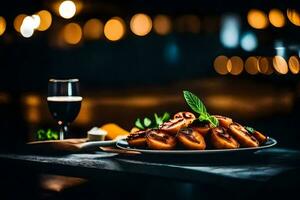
[(162, 24), (36, 21), (114, 29), (221, 65), (67, 9), (237, 65), (93, 29), (188, 23), (2, 25), (280, 65), (46, 20), (27, 27), (230, 30), (276, 18), (249, 41), (264, 65), (251, 65), (294, 16), (140, 24), (257, 19), (294, 64), (18, 22), (72, 33)]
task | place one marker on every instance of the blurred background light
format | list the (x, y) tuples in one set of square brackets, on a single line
[(276, 18), (162, 24), (237, 65), (188, 23), (230, 30), (249, 41), (280, 49), (114, 29), (93, 29), (140, 24), (18, 22), (45, 20), (257, 19), (294, 64), (36, 21), (280, 65), (2, 25), (172, 53), (251, 65), (220, 65), (67, 9), (72, 33), (27, 27), (294, 16), (264, 65), (192, 23)]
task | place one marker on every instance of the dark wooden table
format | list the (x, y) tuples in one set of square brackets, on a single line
[(263, 170)]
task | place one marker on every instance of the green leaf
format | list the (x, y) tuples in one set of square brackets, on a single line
[(139, 124), (194, 102), (249, 129), (147, 122), (166, 117), (158, 120), (203, 117), (214, 121)]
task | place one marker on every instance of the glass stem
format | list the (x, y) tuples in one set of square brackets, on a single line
[(62, 131)]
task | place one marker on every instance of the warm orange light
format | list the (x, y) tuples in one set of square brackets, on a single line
[(237, 65), (18, 22), (276, 18), (93, 29), (188, 23), (162, 24), (141, 24), (114, 29), (251, 65), (280, 65), (2, 25), (46, 20), (264, 65), (72, 33), (221, 66), (294, 64), (294, 16), (257, 19)]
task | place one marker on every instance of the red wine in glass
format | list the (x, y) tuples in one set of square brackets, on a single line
[(64, 102)]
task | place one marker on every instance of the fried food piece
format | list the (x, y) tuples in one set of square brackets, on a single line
[(202, 127), (191, 139), (160, 140), (224, 121), (260, 137), (134, 129), (220, 139), (137, 139), (188, 116), (242, 135), (173, 126)]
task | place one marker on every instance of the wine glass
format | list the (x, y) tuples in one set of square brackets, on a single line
[(64, 102)]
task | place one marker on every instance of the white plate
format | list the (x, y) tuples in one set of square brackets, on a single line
[(122, 144)]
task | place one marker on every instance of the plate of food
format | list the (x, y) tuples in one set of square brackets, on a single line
[(193, 132)]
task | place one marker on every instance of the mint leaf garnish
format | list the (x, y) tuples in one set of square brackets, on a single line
[(196, 105), (147, 122), (249, 129), (138, 123)]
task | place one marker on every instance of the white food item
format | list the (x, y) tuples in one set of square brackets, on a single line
[(96, 134)]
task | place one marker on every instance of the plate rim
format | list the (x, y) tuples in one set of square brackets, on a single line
[(207, 151)]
